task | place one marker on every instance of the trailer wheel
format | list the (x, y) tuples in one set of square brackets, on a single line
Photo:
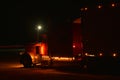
[(26, 60)]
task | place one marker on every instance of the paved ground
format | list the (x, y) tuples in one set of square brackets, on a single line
[(11, 69), (15, 71)]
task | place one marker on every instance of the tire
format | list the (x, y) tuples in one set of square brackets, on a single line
[(26, 60), (27, 64)]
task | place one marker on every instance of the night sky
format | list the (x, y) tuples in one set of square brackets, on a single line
[(24, 16)]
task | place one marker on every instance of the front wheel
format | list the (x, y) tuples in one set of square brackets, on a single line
[(27, 64), (26, 60)]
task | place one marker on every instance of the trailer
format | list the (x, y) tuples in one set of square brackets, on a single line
[(100, 35)]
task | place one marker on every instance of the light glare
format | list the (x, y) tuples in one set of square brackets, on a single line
[(39, 27), (86, 54), (114, 54), (74, 46), (86, 8), (101, 54), (99, 6), (113, 5)]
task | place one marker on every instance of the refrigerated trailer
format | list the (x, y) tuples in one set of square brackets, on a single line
[(100, 34)]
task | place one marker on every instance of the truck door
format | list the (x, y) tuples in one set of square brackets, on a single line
[(37, 49), (38, 54)]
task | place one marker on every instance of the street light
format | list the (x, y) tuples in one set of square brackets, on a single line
[(38, 29)]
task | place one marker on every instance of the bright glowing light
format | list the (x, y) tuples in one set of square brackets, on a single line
[(42, 50), (73, 58), (55, 57), (113, 5), (32, 57), (73, 46), (114, 54), (39, 27), (99, 6), (63, 58), (100, 54), (91, 55), (86, 54), (45, 58)]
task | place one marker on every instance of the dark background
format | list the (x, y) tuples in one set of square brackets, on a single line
[(24, 16), (21, 17)]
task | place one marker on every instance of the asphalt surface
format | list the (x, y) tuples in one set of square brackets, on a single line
[(11, 69)]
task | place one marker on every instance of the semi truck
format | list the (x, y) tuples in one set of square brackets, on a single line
[(92, 40), (59, 46)]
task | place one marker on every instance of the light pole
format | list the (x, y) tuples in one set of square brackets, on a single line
[(38, 29)]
